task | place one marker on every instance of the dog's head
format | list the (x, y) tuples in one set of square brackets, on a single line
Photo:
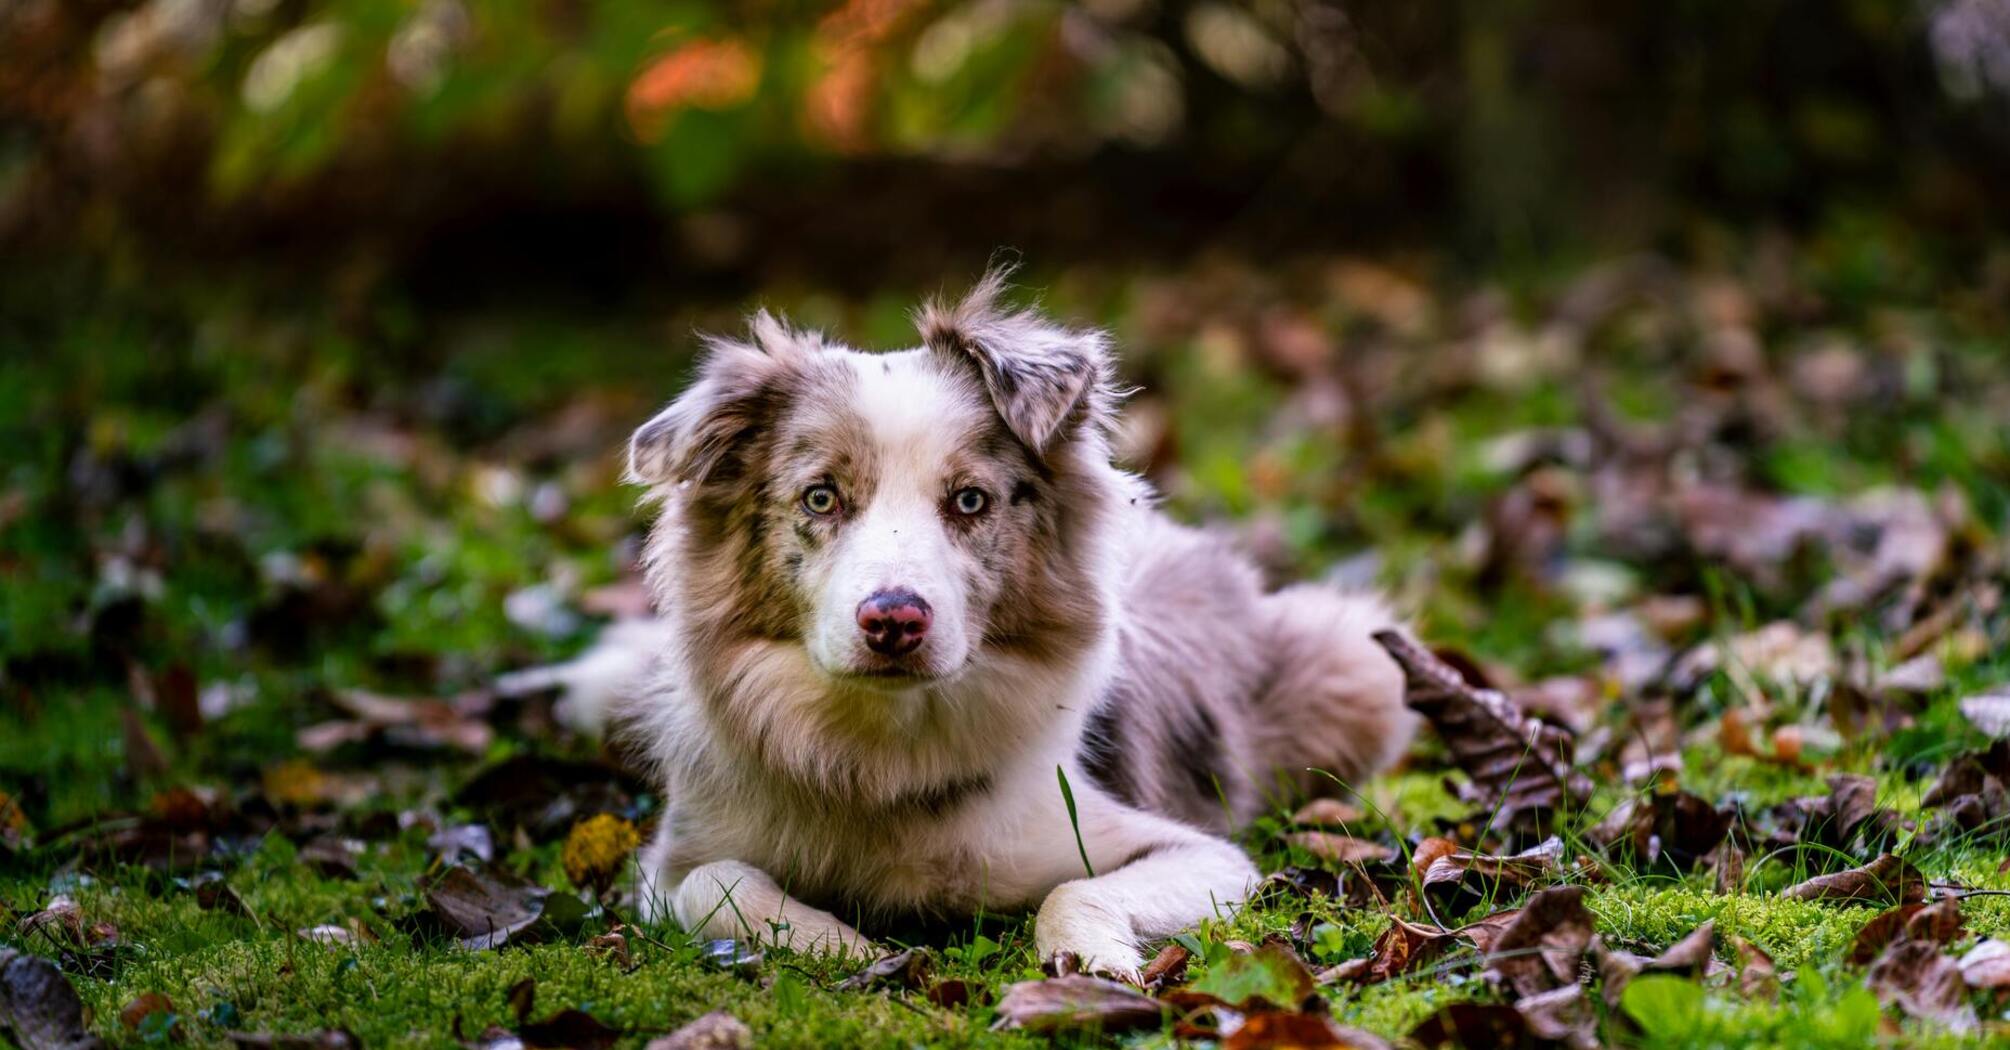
[(903, 516)]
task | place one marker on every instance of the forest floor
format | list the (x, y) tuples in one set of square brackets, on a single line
[(1735, 532)]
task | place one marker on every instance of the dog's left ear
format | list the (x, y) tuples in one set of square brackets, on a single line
[(1048, 382)]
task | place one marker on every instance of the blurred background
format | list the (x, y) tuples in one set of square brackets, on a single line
[(1583, 327)]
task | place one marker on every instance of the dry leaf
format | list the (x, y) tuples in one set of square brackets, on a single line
[(1518, 766), (1987, 965), (1341, 849), (1077, 1003), (717, 1030), (1989, 712), (1278, 1030), (38, 1008), (1327, 813), (1917, 978), (904, 970), (1167, 967), (1541, 948), (1884, 880), (484, 906)]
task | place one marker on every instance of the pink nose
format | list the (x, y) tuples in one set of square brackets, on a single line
[(894, 622)]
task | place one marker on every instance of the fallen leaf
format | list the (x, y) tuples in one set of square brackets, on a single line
[(732, 957), (1327, 813), (1691, 956), (1278, 1030), (147, 1004), (331, 935), (1987, 965), (1540, 950), (1401, 947), (39, 1009), (1461, 879), (332, 857), (1343, 849), (1669, 829), (568, 1029), (1077, 1003), (458, 842), (1167, 967), (1989, 712), (1757, 977), (212, 893), (484, 906), (1477, 1026), (1884, 880), (1883, 928), (1519, 767), (1917, 978), (903, 970), (1937, 923), (1561, 1015), (717, 1030)]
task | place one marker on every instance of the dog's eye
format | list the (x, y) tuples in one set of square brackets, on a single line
[(820, 499), (970, 501)]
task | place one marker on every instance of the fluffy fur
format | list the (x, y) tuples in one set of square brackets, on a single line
[(814, 786)]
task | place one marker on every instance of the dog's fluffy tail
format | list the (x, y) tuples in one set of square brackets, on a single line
[(593, 686), (1335, 709)]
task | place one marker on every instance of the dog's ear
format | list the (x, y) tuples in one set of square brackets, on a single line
[(739, 388), (1047, 381)]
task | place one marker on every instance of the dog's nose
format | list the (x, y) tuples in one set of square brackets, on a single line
[(894, 622)]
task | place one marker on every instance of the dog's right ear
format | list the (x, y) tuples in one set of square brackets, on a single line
[(740, 387)]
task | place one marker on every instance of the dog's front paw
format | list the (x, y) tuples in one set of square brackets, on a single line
[(1073, 925)]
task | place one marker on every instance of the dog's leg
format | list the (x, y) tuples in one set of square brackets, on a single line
[(1154, 878), (731, 899)]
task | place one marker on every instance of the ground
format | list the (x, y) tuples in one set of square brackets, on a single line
[(222, 515)]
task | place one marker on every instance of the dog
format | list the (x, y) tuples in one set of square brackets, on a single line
[(923, 651)]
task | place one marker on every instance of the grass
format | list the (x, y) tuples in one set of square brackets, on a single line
[(211, 468)]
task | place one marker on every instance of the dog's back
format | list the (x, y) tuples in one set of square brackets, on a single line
[(1229, 699)]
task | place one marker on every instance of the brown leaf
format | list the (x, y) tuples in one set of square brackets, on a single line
[(1916, 977), (1077, 1003), (1969, 774), (1757, 977), (1278, 1030), (1327, 813), (1691, 956), (1881, 930), (1479, 1026), (1884, 880), (1671, 829), (1403, 946), (1167, 967), (1987, 965), (1518, 766), (903, 970), (1937, 923), (717, 1030), (484, 906), (1561, 1015), (38, 1008), (1462, 879), (332, 857), (1541, 948), (1343, 849), (147, 1004), (212, 893)]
